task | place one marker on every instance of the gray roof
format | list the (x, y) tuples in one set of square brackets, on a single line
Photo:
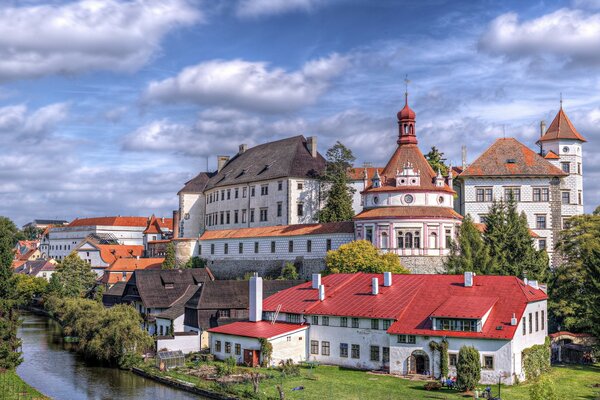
[(279, 159), (116, 290), (178, 307), (197, 183), (163, 288), (34, 267)]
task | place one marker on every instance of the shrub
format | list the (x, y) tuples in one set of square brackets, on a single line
[(536, 360), (230, 363), (468, 368), (289, 271), (434, 385), (543, 389), (288, 368)]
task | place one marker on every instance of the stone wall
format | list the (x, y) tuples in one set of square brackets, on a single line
[(184, 250), (234, 269), (424, 264)]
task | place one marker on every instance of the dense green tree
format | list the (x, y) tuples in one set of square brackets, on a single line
[(337, 192), (73, 278), (289, 271), (468, 368), (28, 287), (195, 262), (596, 211), (575, 288), (32, 233), (469, 252), (169, 262), (508, 238), (437, 161), (10, 356), (361, 256)]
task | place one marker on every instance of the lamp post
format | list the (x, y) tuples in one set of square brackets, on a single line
[(499, 381)]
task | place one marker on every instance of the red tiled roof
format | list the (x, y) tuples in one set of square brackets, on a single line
[(260, 329), (132, 264), (456, 307), (408, 212), (561, 128), (281, 230), (551, 156), (408, 153), (356, 174), (481, 228), (120, 221), (153, 226), (567, 333), (411, 301), (111, 252), (523, 161)]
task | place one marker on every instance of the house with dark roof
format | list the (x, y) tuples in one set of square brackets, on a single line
[(387, 322), (37, 268), (547, 183), (101, 256)]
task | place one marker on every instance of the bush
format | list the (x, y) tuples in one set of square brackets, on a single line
[(433, 385), (230, 363), (289, 271), (468, 368), (543, 389), (288, 368), (536, 360)]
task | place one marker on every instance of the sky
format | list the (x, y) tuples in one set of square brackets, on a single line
[(107, 107)]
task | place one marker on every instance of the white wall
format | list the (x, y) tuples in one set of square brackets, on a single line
[(166, 324), (185, 343)]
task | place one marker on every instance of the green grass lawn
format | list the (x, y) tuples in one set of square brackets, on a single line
[(12, 387), (328, 382)]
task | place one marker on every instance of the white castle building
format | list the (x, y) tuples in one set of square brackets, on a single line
[(548, 186)]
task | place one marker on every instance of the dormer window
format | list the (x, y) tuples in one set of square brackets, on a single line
[(460, 325)]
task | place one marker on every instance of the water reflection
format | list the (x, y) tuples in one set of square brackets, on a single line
[(64, 375)]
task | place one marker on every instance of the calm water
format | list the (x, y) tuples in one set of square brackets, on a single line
[(64, 375)]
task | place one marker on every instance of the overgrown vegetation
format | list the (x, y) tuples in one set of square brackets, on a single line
[(468, 368), (169, 262), (195, 262), (266, 351), (362, 256), (337, 193), (289, 271), (113, 335), (543, 389), (73, 277), (536, 360)]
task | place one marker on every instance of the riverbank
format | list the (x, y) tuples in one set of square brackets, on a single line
[(12, 387)]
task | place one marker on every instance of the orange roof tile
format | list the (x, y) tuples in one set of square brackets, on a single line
[(120, 221), (551, 156), (281, 230), (561, 128), (111, 252), (153, 226), (133, 264), (408, 212), (357, 174), (509, 157)]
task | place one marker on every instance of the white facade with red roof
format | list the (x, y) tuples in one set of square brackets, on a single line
[(386, 322), (547, 183), (408, 208)]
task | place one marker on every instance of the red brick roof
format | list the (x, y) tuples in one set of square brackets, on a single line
[(411, 301), (121, 221), (408, 153), (408, 212), (509, 157), (153, 226), (561, 128), (281, 230), (260, 329)]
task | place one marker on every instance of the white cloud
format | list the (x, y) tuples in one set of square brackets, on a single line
[(567, 34), (259, 8), (249, 85), (19, 124), (86, 35)]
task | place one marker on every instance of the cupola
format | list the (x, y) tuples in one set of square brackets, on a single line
[(406, 124)]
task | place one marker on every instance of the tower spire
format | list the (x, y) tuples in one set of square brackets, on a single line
[(406, 82), (406, 120), (561, 100)]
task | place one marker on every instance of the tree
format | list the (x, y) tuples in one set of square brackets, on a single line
[(289, 271), (169, 262), (195, 262), (361, 256), (10, 356), (28, 287), (436, 160), (575, 289), (543, 389), (338, 195), (468, 368), (32, 233), (73, 277), (510, 244), (469, 252)]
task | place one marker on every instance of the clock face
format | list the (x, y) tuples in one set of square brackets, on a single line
[(375, 199), (565, 149), (408, 199), (441, 199)]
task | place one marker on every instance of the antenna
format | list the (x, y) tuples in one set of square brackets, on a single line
[(561, 100), (207, 164), (406, 82), (464, 156)]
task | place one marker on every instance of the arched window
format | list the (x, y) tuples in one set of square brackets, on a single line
[(411, 130), (433, 242), (400, 239), (406, 128), (417, 241), (384, 240), (408, 240)]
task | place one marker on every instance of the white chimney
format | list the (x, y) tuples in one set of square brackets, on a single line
[(243, 148), (525, 281), (316, 281), (513, 320), (469, 279), (534, 284), (387, 279), (321, 292), (256, 298), (374, 286), (221, 161), (311, 143)]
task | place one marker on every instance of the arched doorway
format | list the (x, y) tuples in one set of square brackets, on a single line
[(418, 363), (384, 240)]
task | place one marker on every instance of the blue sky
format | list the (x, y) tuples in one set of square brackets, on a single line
[(108, 106)]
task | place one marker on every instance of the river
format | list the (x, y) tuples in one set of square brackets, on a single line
[(63, 375)]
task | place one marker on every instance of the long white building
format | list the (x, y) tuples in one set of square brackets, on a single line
[(386, 322)]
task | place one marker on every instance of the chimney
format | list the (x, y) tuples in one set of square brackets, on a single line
[(256, 298), (469, 279), (387, 279), (316, 281), (464, 157), (311, 142), (513, 320), (525, 281), (176, 221), (243, 148), (542, 128), (321, 292), (375, 286), (221, 161), (534, 284)]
